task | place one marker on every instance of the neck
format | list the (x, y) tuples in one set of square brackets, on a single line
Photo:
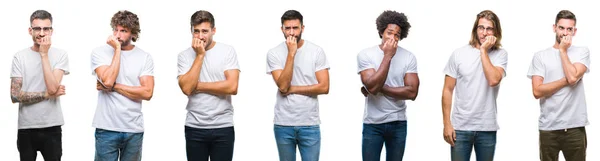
[(556, 44), (212, 44), (300, 43), (128, 47), (35, 47)]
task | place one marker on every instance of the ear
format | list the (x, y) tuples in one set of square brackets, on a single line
[(574, 31), (214, 30), (30, 31), (282, 29), (554, 28)]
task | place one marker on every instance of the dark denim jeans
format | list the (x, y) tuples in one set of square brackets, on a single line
[(483, 141), (214, 143), (392, 134)]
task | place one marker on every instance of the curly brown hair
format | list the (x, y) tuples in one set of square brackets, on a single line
[(127, 20)]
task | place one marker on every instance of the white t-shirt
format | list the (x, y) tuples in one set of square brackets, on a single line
[(475, 101), (27, 64), (567, 107), (381, 108), (206, 110), (116, 112), (296, 109)]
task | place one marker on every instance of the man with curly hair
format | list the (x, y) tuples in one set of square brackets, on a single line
[(301, 72), (118, 120), (386, 88), (475, 70), (36, 76)]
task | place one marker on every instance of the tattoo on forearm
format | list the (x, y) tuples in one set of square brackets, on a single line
[(15, 89), (24, 97)]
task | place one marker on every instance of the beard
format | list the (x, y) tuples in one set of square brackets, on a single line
[(298, 37), (558, 39), (207, 43)]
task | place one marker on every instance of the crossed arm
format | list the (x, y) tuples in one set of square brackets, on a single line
[(53, 87), (322, 87)]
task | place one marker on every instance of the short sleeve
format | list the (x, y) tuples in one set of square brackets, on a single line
[(63, 63), (451, 69), (536, 67), (273, 62), (321, 60), (231, 61), (501, 60), (17, 69), (148, 69), (363, 62), (412, 64)]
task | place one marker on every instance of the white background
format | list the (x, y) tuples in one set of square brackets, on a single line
[(342, 29)]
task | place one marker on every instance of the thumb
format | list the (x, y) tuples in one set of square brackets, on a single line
[(453, 135)]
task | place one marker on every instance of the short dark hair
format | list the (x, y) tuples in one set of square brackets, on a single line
[(393, 17), (127, 20), (292, 15), (565, 14), (40, 14), (202, 16)]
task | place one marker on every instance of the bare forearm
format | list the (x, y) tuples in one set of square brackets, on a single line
[(491, 73), (446, 107), (217, 88), (548, 89), (137, 93), (376, 81), (568, 68), (403, 93), (109, 76), (52, 84), (310, 90), (189, 81), (285, 79)]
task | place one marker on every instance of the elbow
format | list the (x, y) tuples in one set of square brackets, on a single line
[(108, 84), (148, 95), (325, 90), (572, 81), (537, 95), (187, 91), (373, 91), (233, 90), (493, 83), (413, 95), (283, 89)]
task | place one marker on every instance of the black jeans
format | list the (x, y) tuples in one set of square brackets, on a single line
[(46, 140), (214, 143)]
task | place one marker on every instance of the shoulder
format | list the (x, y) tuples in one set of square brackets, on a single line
[(281, 48), (23, 52)]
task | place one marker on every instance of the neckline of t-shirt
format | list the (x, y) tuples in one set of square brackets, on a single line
[(130, 51)]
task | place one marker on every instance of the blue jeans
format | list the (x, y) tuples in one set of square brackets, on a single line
[(215, 143), (483, 141), (392, 134), (307, 138), (111, 145)]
